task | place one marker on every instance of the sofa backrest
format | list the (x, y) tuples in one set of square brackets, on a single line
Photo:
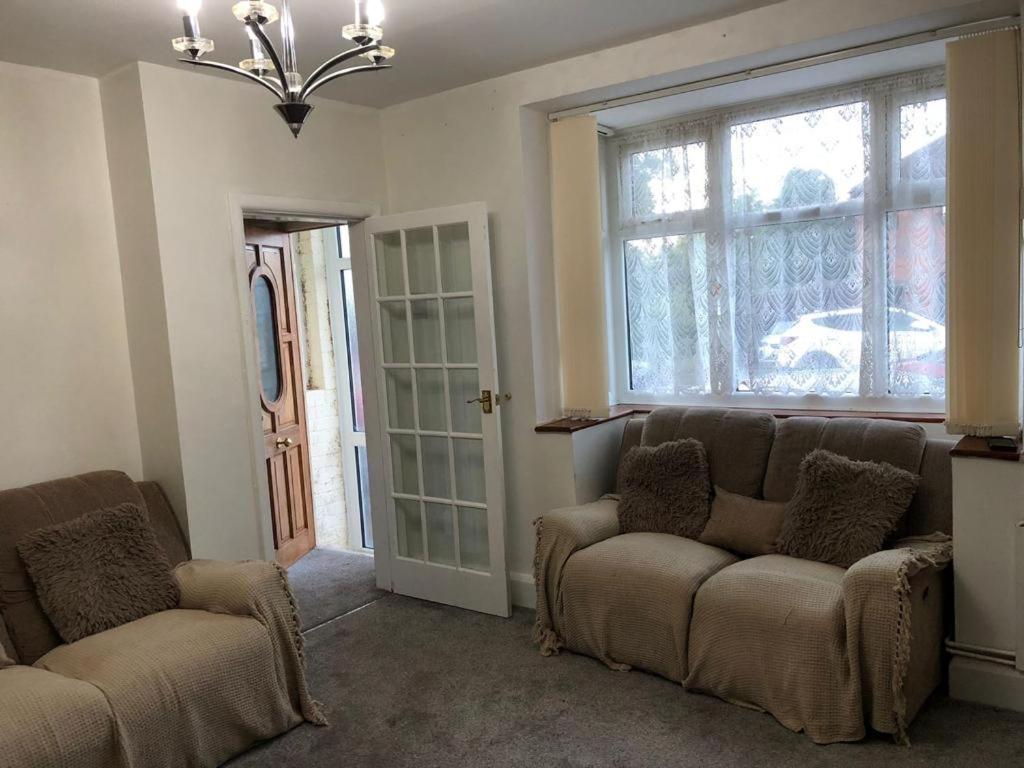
[(23, 510), (756, 455), (737, 442)]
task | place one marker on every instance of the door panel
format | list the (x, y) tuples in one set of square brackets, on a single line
[(281, 393), (437, 385)]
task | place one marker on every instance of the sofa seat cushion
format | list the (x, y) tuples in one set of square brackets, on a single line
[(770, 633), (50, 721), (186, 687), (627, 600)]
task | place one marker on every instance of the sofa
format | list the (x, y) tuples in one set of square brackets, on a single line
[(829, 651), (191, 686)]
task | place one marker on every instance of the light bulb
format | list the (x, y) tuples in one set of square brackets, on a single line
[(190, 7), (375, 12)]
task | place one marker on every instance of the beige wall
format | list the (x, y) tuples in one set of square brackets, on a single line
[(487, 142), (66, 380), (208, 138)]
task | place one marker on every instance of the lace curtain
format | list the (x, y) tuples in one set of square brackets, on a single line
[(788, 248)]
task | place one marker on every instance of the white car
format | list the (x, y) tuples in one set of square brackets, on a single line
[(823, 340)]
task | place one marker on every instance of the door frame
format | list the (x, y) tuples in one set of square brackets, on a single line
[(241, 206)]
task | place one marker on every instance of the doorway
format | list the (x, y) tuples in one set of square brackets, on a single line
[(310, 386)]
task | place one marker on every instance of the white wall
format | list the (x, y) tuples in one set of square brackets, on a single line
[(66, 379), (208, 138), (487, 142)]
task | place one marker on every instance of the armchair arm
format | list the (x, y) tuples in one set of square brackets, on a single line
[(884, 594), (559, 534), (259, 590)]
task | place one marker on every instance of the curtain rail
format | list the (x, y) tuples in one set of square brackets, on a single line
[(889, 44)]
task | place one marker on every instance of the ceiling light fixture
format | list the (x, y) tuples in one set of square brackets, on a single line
[(279, 74)]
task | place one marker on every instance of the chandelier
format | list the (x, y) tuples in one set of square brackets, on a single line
[(279, 73)]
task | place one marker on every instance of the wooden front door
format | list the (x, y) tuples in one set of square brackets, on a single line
[(281, 392)]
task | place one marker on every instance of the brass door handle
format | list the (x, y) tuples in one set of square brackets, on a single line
[(284, 442), (487, 401)]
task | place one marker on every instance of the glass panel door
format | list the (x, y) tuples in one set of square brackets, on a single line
[(434, 338)]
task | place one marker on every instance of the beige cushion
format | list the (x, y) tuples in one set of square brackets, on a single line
[(23, 510), (187, 687), (842, 509), (743, 525), (50, 721), (665, 489), (627, 600), (98, 571)]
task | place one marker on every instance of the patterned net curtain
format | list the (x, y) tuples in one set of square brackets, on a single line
[(789, 248)]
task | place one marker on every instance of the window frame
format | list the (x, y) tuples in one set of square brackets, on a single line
[(884, 98)]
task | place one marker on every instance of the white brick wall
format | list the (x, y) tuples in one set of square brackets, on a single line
[(322, 418)]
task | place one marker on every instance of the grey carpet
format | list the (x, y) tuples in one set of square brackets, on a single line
[(410, 683), (328, 583)]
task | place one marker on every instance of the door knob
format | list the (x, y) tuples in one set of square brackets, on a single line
[(487, 401), (285, 442)]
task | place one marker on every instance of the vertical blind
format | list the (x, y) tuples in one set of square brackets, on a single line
[(984, 234)]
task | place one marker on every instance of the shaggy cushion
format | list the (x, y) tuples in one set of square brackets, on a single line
[(98, 571), (743, 525), (842, 510), (665, 489)]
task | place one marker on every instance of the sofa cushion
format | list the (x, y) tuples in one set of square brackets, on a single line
[(842, 510), (743, 525), (894, 442), (770, 632), (737, 442), (23, 510), (665, 489), (187, 687), (98, 571), (627, 600), (51, 720)]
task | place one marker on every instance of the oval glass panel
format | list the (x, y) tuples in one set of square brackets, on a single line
[(266, 339)]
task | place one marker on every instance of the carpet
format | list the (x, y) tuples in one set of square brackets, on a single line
[(411, 683), (328, 583)]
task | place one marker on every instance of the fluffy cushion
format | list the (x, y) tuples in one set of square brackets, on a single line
[(743, 525), (665, 489), (842, 510), (98, 571)]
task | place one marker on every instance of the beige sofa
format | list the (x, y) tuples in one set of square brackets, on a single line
[(833, 652), (191, 686)]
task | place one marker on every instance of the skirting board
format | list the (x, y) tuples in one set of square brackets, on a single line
[(985, 682), (524, 594)]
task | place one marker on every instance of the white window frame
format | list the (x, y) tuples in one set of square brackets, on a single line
[(884, 97)]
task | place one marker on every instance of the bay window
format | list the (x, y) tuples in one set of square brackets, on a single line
[(785, 251)]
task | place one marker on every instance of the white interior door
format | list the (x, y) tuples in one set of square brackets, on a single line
[(437, 408)]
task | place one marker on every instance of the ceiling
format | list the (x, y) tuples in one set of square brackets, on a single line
[(441, 44)]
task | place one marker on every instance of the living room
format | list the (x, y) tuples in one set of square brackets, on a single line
[(779, 216)]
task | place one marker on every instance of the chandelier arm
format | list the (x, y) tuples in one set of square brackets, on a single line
[(333, 62), (342, 72), (268, 48), (236, 71)]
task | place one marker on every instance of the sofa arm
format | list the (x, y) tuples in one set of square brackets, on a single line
[(893, 607), (259, 590), (559, 534)]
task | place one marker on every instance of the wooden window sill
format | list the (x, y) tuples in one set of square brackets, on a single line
[(977, 448), (624, 410)]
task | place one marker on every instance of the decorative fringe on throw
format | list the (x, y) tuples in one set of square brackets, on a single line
[(314, 711), (938, 556), (548, 640)]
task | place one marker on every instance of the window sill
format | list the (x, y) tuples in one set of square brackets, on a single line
[(624, 410), (977, 448)]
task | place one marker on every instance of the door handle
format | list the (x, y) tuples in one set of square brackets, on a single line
[(284, 442), (487, 401)]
